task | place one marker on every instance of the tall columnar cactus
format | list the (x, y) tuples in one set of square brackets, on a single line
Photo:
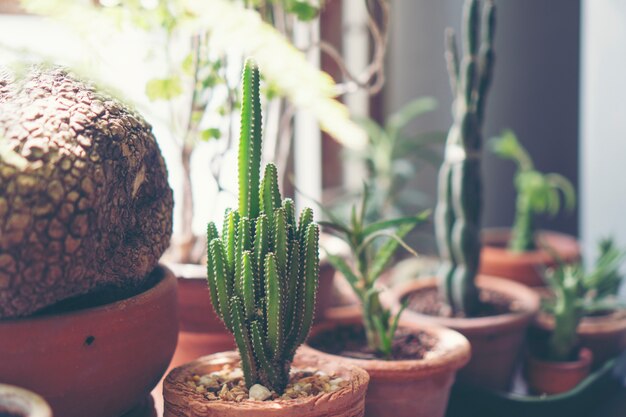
[(263, 270), (457, 217)]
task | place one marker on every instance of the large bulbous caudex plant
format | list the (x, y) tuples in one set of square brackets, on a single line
[(84, 198), (263, 270)]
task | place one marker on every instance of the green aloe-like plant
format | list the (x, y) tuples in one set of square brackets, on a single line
[(458, 212), (536, 192), (263, 270), (577, 294), (369, 261)]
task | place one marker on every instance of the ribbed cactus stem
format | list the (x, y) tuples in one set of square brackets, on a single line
[(457, 217), (263, 270)]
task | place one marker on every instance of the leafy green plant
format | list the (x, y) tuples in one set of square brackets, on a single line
[(536, 192), (263, 270), (577, 294), (392, 158), (458, 212), (368, 263)]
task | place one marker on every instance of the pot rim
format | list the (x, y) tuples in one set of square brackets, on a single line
[(597, 325), (501, 235), (585, 358), (174, 386), (23, 402), (166, 284), (451, 352), (529, 300)]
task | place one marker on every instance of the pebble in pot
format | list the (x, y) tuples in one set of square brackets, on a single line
[(18, 402)]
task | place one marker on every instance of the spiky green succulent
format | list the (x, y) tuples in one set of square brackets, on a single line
[(458, 212), (536, 192), (263, 270)]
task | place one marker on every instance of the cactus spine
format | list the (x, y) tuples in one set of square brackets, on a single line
[(263, 270), (457, 216)]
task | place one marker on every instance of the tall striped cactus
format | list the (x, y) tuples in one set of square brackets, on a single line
[(263, 270), (457, 216)]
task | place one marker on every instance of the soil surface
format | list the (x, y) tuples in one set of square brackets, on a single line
[(427, 301), (350, 341), (229, 385)]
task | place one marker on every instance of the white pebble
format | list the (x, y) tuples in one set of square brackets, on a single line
[(206, 380), (259, 393)]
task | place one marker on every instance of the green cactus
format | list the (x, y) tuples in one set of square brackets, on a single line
[(577, 294), (457, 216), (536, 192), (263, 270)]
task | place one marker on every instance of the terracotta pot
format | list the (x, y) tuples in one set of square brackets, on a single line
[(496, 341), (604, 335), (95, 361), (527, 267), (183, 401), (548, 377), (407, 388), (18, 402)]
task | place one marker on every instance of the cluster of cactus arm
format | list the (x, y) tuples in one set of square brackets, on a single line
[(263, 269), (458, 212), (369, 261), (577, 294), (536, 192)]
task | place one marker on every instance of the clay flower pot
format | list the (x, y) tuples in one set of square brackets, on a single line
[(496, 341), (525, 268), (604, 336), (548, 377), (18, 402), (406, 388), (181, 400), (96, 361)]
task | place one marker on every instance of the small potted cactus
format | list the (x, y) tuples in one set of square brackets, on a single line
[(492, 313), (522, 253), (262, 277), (402, 358), (602, 327), (559, 362)]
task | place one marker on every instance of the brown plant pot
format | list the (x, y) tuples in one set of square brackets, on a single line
[(604, 335), (18, 402), (94, 361), (526, 268), (406, 388), (549, 377), (496, 341), (182, 400)]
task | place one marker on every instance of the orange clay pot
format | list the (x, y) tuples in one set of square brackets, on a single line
[(94, 361), (604, 336), (19, 402), (548, 377), (496, 341), (406, 388), (183, 401), (527, 267)]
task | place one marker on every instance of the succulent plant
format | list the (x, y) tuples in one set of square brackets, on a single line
[(263, 270), (84, 198), (457, 216), (577, 294), (369, 261), (536, 192)]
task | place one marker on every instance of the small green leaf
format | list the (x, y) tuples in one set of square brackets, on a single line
[(164, 88), (401, 221), (303, 10), (210, 133)]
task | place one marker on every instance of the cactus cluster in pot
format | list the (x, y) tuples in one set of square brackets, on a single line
[(263, 269), (458, 211)]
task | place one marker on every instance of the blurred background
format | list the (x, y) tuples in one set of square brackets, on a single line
[(559, 71)]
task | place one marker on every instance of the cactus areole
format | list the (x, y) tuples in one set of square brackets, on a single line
[(263, 269), (458, 212)]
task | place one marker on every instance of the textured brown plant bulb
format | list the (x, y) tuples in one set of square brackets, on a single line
[(88, 205)]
